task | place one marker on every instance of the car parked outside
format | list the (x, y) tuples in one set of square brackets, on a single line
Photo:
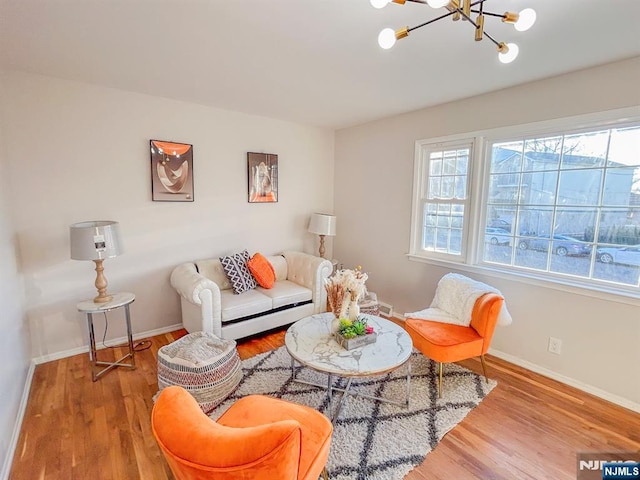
[(499, 223), (625, 255), (562, 245), (497, 236)]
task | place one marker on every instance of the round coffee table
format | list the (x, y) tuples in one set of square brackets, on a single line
[(310, 343)]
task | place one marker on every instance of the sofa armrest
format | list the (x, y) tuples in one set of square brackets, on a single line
[(190, 284), (310, 272), (200, 300)]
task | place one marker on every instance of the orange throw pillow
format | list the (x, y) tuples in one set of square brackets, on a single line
[(262, 270)]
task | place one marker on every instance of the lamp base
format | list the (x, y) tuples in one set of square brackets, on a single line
[(321, 250), (103, 299), (101, 284)]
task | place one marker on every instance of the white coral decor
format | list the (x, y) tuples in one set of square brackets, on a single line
[(346, 282)]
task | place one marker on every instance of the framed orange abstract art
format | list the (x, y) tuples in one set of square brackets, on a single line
[(262, 172), (171, 171)]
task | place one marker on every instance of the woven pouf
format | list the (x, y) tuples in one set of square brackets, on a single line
[(206, 366)]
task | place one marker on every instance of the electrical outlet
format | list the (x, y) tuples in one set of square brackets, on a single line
[(555, 345)]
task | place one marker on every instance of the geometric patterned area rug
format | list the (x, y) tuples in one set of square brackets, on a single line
[(372, 440)]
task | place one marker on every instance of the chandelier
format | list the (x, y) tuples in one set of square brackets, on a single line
[(463, 9)]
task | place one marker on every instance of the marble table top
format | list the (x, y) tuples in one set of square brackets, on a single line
[(118, 300), (309, 342)]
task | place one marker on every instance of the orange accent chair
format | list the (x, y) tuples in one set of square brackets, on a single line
[(445, 343), (258, 438)]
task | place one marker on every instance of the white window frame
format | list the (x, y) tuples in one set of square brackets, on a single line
[(423, 148), (478, 190)]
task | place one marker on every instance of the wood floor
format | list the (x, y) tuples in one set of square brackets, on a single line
[(529, 427)]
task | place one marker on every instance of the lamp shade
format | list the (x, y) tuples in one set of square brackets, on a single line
[(322, 224), (95, 240)]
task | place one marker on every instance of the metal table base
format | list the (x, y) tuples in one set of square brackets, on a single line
[(347, 390)]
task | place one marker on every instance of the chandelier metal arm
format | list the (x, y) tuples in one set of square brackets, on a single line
[(499, 15), (432, 20)]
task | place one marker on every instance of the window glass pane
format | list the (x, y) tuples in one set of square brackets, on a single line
[(462, 166), (435, 167), (570, 264), (447, 187), (429, 238), (585, 150), (577, 223), (618, 264), (616, 228), (449, 164), (539, 188), (534, 221), (621, 186), (434, 187), (624, 148), (580, 187), (455, 245), (542, 154), (460, 187), (506, 157), (504, 188)]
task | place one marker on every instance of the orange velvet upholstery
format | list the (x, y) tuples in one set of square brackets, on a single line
[(259, 438), (447, 343)]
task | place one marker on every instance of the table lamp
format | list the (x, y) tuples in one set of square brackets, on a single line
[(96, 241), (322, 224)]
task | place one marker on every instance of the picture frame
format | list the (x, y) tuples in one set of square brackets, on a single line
[(262, 175), (171, 171)]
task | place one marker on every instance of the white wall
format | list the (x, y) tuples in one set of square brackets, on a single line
[(373, 188), (79, 152), (14, 340)]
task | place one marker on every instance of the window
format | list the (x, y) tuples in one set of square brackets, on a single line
[(563, 205), (443, 199)]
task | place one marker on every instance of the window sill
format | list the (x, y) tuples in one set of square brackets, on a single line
[(530, 278)]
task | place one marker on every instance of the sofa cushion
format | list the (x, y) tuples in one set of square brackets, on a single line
[(235, 266), (212, 269), (248, 303), (279, 264), (285, 293), (262, 270)]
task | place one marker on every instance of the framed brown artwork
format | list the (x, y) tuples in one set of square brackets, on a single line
[(171, 171), (262, 172)]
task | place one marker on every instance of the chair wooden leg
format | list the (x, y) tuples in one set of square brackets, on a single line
[(484, 368), (325, 475), (440, 380)]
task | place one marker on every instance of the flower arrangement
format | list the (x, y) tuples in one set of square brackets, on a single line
[(351, 329), (346, 287)]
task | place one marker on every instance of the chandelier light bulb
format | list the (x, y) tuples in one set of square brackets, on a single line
[(387, 38), (526, 19), (510, 55), (438, 3), (379, 3)]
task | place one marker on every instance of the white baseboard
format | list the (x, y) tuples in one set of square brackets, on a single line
[(8, 461), (113, 341), (585, 387)]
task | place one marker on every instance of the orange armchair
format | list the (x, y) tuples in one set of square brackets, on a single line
[(258, 438), (444, 343)]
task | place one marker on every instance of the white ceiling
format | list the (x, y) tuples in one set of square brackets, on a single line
[(315, 62)]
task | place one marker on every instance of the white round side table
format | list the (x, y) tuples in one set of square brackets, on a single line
[(89, 307)]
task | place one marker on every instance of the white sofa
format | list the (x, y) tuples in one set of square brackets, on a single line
[(209, 304)]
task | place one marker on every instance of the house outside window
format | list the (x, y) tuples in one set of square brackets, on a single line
[(563, 206)]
